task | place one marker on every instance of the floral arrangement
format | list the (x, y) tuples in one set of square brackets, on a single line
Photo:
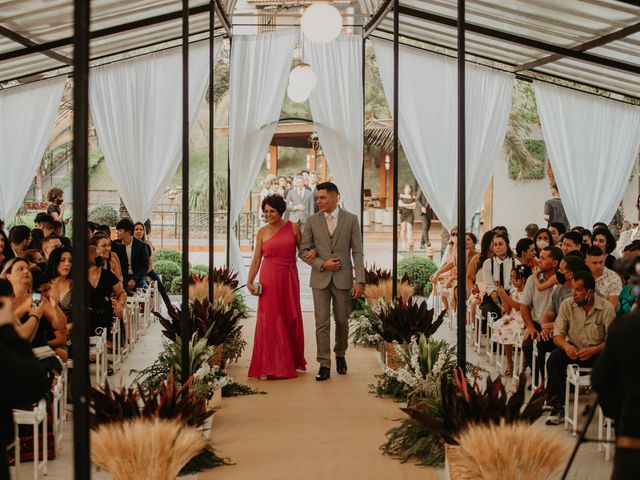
[(400, 322), (361, 332), (206, 377)]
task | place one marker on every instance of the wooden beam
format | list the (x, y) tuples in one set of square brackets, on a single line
[(16, 37), (273, 159), (596, 42)]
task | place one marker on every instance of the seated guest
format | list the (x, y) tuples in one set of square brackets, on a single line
[(44, 222), (608, 283), (140, 232), (580, 333), (603, 239), (116, 247), (586, 241), (474, 273), (19, 236), (2, 259), (557, 229), (571, 243), (6, 250), (59, 271), (534, 304), (542, 240), (135, 261), (39, 321), (526, 252), (49, 244), (20, 372), (37, 236), (632, 250), (496, 272), (111, 261), (102, 285), (35, 259), (500, 230), (505, 330), (531, 230)]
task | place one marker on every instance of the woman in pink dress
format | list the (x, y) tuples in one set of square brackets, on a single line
[(278, 348)]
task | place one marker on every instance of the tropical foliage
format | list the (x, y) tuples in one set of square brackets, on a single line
[(400, 322)]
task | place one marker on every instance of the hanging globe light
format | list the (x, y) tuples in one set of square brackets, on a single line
[(303, 77), (321, 22), (297, 94)]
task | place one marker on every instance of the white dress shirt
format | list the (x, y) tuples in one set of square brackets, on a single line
[(490, 278), (333, 214), (128, 249)]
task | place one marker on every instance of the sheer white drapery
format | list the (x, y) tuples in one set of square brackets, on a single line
[(137, 109), (336, 106), (27, 116), (592, 144), (427, 126), (259, 74)]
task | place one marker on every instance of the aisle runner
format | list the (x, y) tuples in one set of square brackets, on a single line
[(308, 430)]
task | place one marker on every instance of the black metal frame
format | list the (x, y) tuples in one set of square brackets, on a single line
[(462, 189), (396, 149), (80, 292), (211, 149), (364, 121)]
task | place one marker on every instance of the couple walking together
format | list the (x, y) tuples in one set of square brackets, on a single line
[(332, 245)]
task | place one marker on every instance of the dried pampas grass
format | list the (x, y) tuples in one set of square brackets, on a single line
[(515, 451), (142, 449), (373, 293), (200, 291)]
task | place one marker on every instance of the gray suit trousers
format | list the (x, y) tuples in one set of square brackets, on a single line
[(322, 300)]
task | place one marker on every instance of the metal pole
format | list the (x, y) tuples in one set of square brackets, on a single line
[(228, 249), (186, 321), (80, 297), (396, 153), (364, 64), (211, 147), (462, 199)]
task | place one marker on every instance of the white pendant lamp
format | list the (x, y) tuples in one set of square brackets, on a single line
[(321, 22), (297, 94), (303, 77)]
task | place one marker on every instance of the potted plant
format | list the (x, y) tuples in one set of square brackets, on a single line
[(463, 405), (399, 322), (139, 434)]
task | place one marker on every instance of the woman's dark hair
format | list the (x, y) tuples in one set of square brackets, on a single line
[(485, 245), (559, 226), (523, 245), (144, 229), (535, 239), (505, 237), (97, 237), (6, 290), (522, 271), (473, 237), (611, 241), (55, 257), (54, 193), (274, 201), (37, 235), (597, 225)]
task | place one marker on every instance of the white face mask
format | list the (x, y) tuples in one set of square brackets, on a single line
[(542, 244)]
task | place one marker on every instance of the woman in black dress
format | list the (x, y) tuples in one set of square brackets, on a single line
[(406, 204), (102, 286)]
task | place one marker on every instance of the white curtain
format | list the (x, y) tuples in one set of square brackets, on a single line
[(137, 109), (592, 143), (336, 106), (27, 116), (259, 74), (427, 125)]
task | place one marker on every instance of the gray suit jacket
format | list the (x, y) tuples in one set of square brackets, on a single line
[(345, 244), (294, 199)]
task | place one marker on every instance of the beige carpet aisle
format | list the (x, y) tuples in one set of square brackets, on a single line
[(308, 430)]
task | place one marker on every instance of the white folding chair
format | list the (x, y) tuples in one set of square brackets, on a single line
[(59, 409), (578, 377), (34, 418), (98, 347), (116, 346), (604, 439)]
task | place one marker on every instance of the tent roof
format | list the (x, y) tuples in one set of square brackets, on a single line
[(590, 42)]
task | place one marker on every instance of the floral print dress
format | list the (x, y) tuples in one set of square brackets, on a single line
[(505, 330)]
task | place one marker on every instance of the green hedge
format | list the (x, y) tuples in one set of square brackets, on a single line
[(169, 254), (104, 215), (418, 270), (168, 270)]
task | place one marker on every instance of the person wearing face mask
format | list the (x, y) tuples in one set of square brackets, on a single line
[(56, 207), (580, 333), (542, 240)]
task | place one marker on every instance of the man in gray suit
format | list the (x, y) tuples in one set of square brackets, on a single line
[(299, 202), (334, 234)]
